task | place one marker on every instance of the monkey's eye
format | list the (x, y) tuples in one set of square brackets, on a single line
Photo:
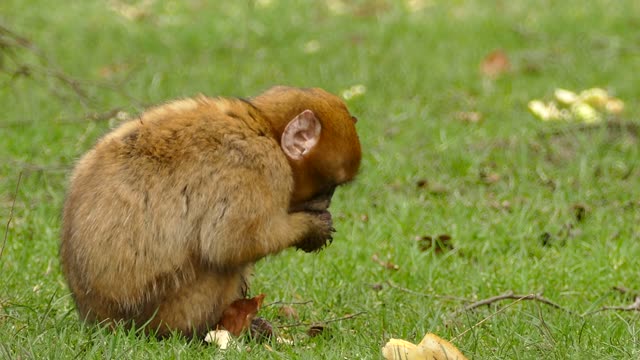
[(355, 119)]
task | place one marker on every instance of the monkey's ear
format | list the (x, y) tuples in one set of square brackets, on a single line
[(300, 135)]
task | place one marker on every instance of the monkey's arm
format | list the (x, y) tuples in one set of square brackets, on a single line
[(245, 214), (252, 225)]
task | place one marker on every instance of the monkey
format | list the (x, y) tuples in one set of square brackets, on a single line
[(166, 215)]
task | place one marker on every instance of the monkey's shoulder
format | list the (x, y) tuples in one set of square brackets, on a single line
[(187, 135)]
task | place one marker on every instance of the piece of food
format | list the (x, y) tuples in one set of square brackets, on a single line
[(221, 338), (432, 347)]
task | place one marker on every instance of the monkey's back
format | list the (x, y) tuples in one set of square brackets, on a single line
[(143, 199)]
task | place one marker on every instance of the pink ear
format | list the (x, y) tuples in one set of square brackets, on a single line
[(300, 135)]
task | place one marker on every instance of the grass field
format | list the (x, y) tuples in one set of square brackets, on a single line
[(522, 205)]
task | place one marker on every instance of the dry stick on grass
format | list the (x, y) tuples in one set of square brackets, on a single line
[(288, 303), (506, 296), (613, 124), (485, 320), (11, 41), (510, 296), (633, 307), (624, 290), (323, 322), (13, 205)]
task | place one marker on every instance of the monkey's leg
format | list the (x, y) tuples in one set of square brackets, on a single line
[(195, 307)]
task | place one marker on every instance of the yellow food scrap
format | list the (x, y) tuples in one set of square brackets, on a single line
[(432, 347), (589, 106)]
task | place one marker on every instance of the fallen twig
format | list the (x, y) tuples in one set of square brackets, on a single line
[(613, 124), (288, 303), (509, 296), (13, 204), (625, 290), (633, 307), (323, 322), (44, 66), (485, 320)]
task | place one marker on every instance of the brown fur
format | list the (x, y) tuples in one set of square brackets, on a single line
[(166, 215)]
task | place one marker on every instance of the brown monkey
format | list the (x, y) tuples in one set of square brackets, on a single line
[(166, 215)]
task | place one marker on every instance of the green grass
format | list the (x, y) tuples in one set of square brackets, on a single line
[(420, 70)]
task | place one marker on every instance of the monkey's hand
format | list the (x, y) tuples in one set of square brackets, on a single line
[(321, 233)]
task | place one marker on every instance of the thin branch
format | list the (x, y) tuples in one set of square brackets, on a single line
[(485, 320), (44, 66), (28, 168), (13, 205), (613, 124), (323, 322), (288, 303), (510, 296), (633, 307), (624, 290)]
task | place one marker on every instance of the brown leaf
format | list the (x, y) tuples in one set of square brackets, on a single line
[(472, 117), (110, 71), (495, 64), (489, 177), (500, 205), (288, 312), (580, 211), (315, 330), (387, 264), (433, 188), (261, 329), (376, 287), (238, 316), (440, 244)]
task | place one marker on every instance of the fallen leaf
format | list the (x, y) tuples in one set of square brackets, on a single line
[(288, 312), (432, 188), (315, 330), (546, 239), (376, 287), (261, 329), (580, 211), (500, 205), (495, 64), (110, 71), (311, 47), (354, 91), (472, 117), (387, 264), (489, 177), (439, 244), (238, 316), (614, 106), (284, 341)]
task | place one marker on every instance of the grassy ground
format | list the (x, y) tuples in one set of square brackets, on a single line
[(529, 206)]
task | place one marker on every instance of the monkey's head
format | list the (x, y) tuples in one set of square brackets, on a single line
[(318, 135)]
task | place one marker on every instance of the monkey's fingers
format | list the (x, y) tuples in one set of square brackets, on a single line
[(314, 246)]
